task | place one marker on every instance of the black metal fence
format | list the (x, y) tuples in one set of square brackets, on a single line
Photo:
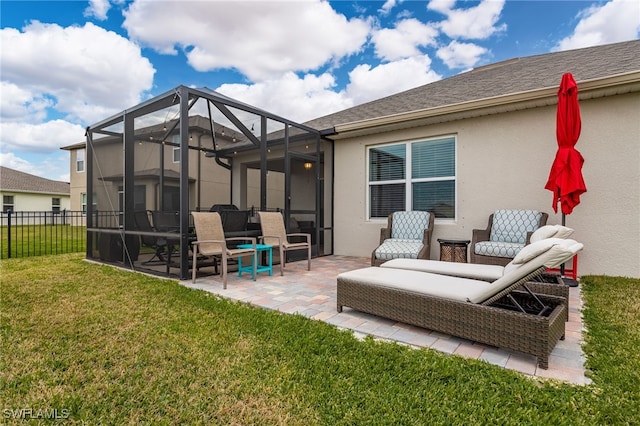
[(25, 234)]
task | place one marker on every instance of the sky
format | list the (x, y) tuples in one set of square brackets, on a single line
[(65, 65)]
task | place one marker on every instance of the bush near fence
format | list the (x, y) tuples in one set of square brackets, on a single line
[(37, 233)]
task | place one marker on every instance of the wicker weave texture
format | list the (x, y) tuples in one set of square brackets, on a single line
[(526, 333)]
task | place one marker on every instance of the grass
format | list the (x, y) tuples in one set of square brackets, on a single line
[(115, 347), (37, 240)]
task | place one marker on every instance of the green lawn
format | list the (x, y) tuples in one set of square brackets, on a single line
[(38, 240), (105, 346)]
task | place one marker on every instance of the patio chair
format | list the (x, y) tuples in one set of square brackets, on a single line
[(234, 222), (159, 244), (497, 313), (210, 241), (507, 232), (275, 234), (407, 235)]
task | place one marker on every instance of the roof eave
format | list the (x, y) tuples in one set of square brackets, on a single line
[(588, 89)]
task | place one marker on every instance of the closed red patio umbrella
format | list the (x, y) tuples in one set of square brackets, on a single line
[(565, 179)]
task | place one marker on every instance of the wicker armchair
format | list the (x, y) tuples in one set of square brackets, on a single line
[(508, 231), (407, 235)]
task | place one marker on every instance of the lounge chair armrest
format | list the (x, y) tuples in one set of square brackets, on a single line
[(385, 234)]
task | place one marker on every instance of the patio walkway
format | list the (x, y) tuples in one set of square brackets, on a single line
[(313, 294)]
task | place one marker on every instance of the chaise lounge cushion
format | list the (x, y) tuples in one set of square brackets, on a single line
[(550, 231), (464, 289), (464, 270)]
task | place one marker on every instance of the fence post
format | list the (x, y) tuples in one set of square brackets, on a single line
[(8, 234)]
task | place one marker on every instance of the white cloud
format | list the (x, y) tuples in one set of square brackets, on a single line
[(369, 83), (98, 9), (460, 55), (80, 67), (54, 167), (387, 6), (292, 97), (618, 20), (442, 6), (18, 104), (479, 22), (261, 39), (44, 138), (304, 98), (404, 40)]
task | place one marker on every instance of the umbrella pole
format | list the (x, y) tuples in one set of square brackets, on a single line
[(568, 281)]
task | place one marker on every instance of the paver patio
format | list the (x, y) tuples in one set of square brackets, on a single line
[(313, 295)]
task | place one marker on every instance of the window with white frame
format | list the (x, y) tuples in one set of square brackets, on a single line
[(83, 202), (7, 203), (176, 149), (418, 175), (80, 160), (55, 204)]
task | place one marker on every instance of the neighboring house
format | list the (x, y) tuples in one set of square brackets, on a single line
[(486, 140), (470, 144), (24, 192)]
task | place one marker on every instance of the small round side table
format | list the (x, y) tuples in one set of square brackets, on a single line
[(453, 250)]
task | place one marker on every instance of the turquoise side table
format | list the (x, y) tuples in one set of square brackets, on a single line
[(260, 248)]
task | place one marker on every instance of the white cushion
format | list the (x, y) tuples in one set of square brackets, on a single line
[(454, 288), (534, 250), (563, 232), (550, 231), (465, 270)]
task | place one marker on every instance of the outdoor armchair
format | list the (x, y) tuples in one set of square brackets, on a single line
[(210, 241), (507, 232), (275, 234), (407, 236)]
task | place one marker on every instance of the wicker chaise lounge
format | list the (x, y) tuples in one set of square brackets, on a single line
[(473, 309)]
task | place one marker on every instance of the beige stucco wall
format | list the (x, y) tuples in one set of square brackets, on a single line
[(503, 161)]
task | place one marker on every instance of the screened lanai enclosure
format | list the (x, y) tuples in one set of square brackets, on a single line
[(190, 150)]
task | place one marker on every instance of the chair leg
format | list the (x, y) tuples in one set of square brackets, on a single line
[(255, 264), (309, 257), (195, 263), (224, 270), (282, 257)]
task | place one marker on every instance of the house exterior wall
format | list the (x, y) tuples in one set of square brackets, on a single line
[(35, 202), (503, 161), (77, 181)]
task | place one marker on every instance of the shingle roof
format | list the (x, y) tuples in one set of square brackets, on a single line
[(499, 79), (13, 180)]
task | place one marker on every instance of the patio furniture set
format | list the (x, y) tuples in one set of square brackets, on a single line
[(505, 299), (212, 241)]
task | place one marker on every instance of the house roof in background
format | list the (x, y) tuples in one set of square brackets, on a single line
[(500, 79), (13, 180)]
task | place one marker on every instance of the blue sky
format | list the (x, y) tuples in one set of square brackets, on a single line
[(67, 65)]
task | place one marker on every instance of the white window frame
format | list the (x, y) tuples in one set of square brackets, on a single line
[(83, 202), (407, 180), (8, 206), (176, 149), (56, 204), (80, 160)]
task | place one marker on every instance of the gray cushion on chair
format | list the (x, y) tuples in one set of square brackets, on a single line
[(512, 226), (396, 248)]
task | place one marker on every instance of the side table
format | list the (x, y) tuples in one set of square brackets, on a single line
[(260, 248), (453, 250)]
